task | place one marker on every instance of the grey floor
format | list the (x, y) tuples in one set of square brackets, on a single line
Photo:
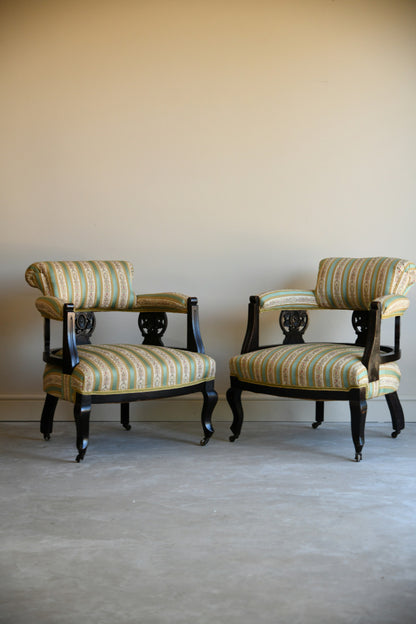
[(279, 527)]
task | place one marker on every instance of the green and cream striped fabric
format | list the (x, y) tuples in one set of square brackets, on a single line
[(353, 283), (50, 307), (89, 285), (162, 302), (314, 366), (124, 368), (393, 305), (290, 299)]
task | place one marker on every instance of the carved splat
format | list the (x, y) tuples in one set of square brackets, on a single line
[(360, 323), (84, 327), (153, 326), (293, 324)]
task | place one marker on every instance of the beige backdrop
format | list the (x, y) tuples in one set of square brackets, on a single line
[(223, 147)]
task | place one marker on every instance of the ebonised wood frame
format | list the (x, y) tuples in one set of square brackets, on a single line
[(293, 324), (77, 330)]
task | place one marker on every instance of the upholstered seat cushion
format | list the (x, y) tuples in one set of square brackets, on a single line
[(124, 368), (315, 366)]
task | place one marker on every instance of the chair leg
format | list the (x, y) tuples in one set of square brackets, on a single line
[(82, 410), (210, 401), (125, 416), (319, 414), (358, 415), (234, 401), (46, 421), (396, 413)]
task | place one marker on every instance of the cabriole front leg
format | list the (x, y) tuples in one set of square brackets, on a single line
[(358, 415), (210, 401), (82, 409), (46, 421), (234, 401)]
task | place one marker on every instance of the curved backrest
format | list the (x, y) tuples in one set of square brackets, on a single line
[(88, 284), (352, 283)]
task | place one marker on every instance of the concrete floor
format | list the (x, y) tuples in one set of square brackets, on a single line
[(281, 527)]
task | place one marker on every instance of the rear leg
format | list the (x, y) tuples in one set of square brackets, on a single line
[(319, 414), (396, 413), (125, 416)]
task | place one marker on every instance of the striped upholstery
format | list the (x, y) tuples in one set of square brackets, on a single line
[(122, 368), (53, 308), (50, 307), (353, 283), (316, 366), (288, 300), (393, 305), (94, 284), (162, 302)]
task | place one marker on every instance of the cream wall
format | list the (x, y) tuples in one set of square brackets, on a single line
[(223, 147)]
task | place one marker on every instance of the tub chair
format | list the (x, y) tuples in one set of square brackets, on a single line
[(374, 289), (72, 294)]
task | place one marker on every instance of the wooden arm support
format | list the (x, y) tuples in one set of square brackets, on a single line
[(251, 339), (69, 358), (371, 357), (194, 339)]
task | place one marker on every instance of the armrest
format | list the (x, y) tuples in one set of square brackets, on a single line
[(291, 299), (393, 305), (51, 307), (162, 302)]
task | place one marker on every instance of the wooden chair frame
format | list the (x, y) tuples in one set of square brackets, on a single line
[(293, 323)]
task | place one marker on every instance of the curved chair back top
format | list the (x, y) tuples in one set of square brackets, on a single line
[(353, 283), (88, 284)]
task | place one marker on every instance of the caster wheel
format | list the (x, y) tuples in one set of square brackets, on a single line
[(233, 438), (80, 457), (47, 437), (395, 434), (207, 438), (315, 425), (358, 457), (127, 427)]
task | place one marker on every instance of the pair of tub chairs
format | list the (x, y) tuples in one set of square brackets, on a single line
[(83, 373)]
